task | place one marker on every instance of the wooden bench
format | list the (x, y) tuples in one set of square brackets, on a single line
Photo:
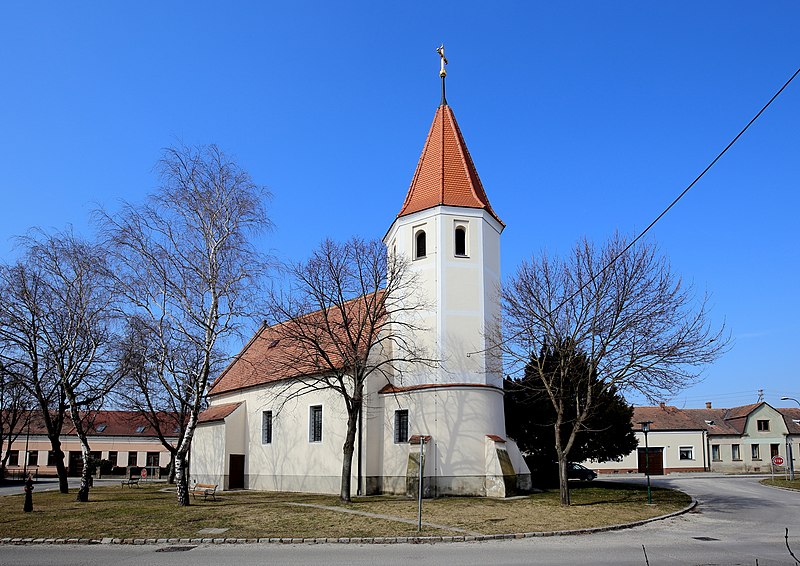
[(132, 479), (205, 489)]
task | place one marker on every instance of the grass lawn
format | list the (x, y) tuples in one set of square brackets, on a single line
[(149, 513), (783, 483)]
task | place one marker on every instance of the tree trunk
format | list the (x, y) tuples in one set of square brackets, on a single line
[(563, 477), (182, 479), (171, 477), (86, 474), (61, 469), (347, 453)]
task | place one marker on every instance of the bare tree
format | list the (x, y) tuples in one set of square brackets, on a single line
[(190, 274), (149, 385), (623, 316), (15, 412), (55, 328), (24, 349), (349, 315)]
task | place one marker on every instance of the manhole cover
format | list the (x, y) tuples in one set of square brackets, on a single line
[(705, 539), (175, 548)]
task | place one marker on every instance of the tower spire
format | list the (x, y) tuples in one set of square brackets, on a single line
[(442, 71)]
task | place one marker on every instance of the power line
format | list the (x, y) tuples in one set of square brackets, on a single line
[(664, 212)]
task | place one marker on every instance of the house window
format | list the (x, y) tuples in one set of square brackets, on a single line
[(153, 459), (266, 427), (133, 458), (33, 458), (13, 457), (461, 241), (100, 427), (686, 452), (315, 424), (112, 457), (140, 429), (715, 452), (51, 458), (763, 426), (420, 247), (95, 455), (401, 426), (756, 455), (774, 450), (735, 452)]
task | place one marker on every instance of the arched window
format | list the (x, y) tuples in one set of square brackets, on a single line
[(419, 249), (461, 241)]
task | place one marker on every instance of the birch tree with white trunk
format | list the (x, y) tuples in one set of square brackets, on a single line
[(190, 274)]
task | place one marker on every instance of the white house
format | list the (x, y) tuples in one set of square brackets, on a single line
[(451, 234), (737, 440)]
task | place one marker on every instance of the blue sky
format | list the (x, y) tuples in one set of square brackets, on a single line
[(582, 119)]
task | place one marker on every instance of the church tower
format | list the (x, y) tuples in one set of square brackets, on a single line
[(449, 233)]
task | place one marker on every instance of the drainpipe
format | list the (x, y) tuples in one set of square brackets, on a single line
[(360, 437), (705, 441)]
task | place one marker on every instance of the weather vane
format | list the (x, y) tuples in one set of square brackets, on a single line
[(442, 71)]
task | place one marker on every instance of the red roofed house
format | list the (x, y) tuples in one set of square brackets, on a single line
[(124, 438), (451, 235), (738, 440)]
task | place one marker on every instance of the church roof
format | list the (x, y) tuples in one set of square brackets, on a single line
[(445, 174), (217, 413), (287, 350)]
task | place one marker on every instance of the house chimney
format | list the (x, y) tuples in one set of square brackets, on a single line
[(708, 404), (661, 404)]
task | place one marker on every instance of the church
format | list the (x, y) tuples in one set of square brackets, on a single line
[(450, 417)]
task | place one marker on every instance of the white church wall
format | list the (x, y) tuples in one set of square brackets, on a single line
[(292, 461), (458, 420), (207, 463)]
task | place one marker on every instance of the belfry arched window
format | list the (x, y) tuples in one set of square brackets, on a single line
[(420, 248)]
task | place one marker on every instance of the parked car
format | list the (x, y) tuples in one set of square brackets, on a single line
[(579, 472)]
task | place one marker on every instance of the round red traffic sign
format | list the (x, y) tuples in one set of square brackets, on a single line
[(777, 460), (144, 470)]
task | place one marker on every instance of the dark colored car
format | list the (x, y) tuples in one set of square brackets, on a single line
[(578, 472)]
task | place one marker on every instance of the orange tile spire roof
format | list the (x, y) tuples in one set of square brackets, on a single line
[(445, 173)]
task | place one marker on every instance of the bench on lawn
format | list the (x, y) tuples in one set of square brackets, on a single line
[(133, 479), (205, 489)]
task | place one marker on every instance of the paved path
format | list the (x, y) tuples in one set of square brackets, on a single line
[(738, 521), (387, 517)]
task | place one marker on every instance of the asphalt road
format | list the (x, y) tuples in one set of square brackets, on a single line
[(738, 521)]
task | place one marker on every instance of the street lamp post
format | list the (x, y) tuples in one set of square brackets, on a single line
[(645, 430), (789, 454)]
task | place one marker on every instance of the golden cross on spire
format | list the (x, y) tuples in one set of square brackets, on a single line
[(442, 72), (440, 51)]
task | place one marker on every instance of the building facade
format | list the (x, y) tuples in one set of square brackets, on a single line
[(737, 440), (122, 438)]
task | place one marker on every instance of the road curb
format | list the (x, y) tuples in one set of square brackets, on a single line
[(344, 540)]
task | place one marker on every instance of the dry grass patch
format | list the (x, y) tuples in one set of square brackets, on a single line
[(593, 505), (149, 513), (795, 484)]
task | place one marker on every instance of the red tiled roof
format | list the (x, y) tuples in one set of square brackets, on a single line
[(790, 416), (445, 173), (715, 421), (274, 354), (666, 418), (112, 423), (217, 412)]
